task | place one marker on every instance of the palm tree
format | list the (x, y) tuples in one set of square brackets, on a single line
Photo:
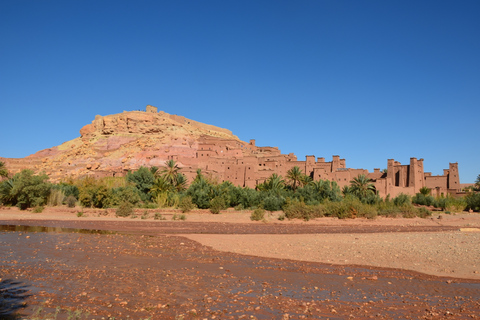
[(295, 176), (362, 187), (274, 183), (305, 180), (180, 182), (3, 170), (170, 171), (160, 185), (425, 191)]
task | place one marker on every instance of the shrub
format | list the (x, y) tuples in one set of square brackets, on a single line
[(124, 210), (179, 217), (38, 209), (143, 179), (297, 210), (273, 202), (217, 204), (408, 211), (80, 214), (186, 204), (389, 211), (257, 215), (158, 216), (25, 190), (423, 212), (55, 198), (402, 199), (145, 215), (71, 201), (473, 201)]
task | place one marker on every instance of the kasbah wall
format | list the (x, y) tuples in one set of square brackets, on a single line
[(247, 165), (215, 157)]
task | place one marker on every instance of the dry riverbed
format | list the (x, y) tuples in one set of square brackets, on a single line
[(228, 267)]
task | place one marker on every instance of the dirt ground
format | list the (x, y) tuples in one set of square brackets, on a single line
[(228, 267)]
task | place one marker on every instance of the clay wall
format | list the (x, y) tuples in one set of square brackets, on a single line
[(433, 182)]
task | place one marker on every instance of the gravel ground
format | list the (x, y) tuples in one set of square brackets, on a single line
[(453, 254)]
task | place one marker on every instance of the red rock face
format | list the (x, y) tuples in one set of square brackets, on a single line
[(112, 145)]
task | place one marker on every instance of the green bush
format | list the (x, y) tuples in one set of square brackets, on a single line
[(258, 214), (38, 209), (71, 201), (423, 212), (25, 190), (408, 211), (55, 198), (186, 204), (273, 202), (402, 199), (299, 210), (124, 210), (143, 180), (473, 201), (217, 204)]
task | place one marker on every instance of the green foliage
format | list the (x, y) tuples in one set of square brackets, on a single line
[(25, 190), (201, 192), (143, 180), (452, 204), (124, 210), (350, 207), (80, 214), (38, 209), (3, 170), (273, 201), (274, 183), (324, 189), (423, 200), (186, 204), (296, 209), (257, 215), (71, 201), (402, 199), (295, 176), (217, 204), (56, 197), (473, 201), (423, 212), (361, 187), (124, 194), (425, 191)]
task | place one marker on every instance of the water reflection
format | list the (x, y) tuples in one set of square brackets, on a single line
[(51, 229)]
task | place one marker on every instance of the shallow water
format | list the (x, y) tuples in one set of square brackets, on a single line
[(115, 275), (22, 228)]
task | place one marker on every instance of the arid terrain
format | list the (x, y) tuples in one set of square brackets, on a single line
[(228, 267)]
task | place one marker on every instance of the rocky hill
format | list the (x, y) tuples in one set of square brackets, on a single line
[(121, 142)]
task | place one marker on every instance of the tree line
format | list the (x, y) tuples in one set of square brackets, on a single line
[(296, 194)]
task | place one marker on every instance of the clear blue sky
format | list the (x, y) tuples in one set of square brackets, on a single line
[(367, 80)]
